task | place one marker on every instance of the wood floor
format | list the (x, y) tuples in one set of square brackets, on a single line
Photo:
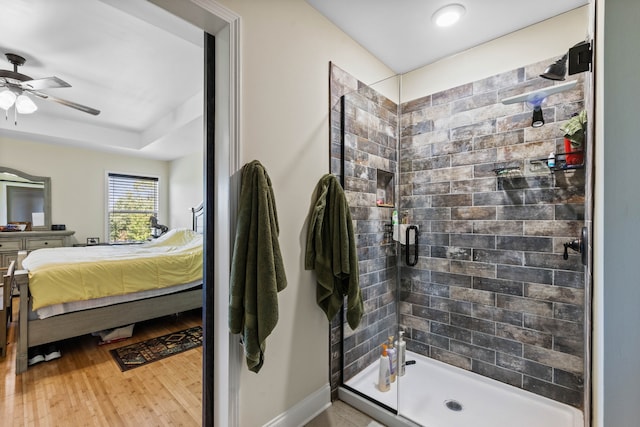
[(86, 388)]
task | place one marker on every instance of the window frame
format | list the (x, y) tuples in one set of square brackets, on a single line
[(108, 212)]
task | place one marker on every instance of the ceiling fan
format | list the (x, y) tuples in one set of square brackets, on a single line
[(18, 86)]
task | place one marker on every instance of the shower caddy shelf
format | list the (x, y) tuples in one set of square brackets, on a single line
[(561, 163)]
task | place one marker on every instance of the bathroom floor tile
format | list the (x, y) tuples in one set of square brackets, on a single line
[(339, 414)]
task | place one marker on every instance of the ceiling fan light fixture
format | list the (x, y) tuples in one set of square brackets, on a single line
[(24, 105), (7, 98), (448, 15), (20, 87)]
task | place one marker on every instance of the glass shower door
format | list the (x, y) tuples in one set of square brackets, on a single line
[(368, 167)]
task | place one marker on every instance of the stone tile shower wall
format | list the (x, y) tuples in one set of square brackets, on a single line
[(370, 145), (491, 292)]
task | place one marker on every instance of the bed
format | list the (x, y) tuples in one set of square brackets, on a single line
[(105, 287)]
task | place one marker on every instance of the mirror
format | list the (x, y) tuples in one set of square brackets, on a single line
[(23, 195)]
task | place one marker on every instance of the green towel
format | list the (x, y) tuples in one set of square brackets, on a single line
[(257, 270), (331, 252)]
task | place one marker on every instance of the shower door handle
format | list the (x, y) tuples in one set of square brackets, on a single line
[(578, 245), (411, 262)]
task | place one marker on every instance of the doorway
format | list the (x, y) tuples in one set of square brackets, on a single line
[(220, 375)]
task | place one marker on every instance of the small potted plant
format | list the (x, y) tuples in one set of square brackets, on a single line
[(574, 135)]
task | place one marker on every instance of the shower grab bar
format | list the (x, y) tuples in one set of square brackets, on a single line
[(408, 259)]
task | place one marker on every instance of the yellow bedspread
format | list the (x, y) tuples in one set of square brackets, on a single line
[(60, 275)]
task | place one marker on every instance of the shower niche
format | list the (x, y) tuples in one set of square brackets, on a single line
[(384, 189)]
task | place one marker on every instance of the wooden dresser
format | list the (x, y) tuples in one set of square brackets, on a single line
[(12, 242)]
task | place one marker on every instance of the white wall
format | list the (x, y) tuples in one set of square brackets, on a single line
[(287, 46), (551, 38), (185, 189), (617, 216), (78, 180)]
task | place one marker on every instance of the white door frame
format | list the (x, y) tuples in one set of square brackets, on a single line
[(224, 24)]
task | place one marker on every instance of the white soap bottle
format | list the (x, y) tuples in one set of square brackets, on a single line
[(384, 380), (401, 348)]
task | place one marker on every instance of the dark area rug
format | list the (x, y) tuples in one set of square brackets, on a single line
[(142, 353)]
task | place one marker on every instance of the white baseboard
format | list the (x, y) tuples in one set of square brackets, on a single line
[(305, 410)]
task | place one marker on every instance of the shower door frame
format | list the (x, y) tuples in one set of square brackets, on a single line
[(340, 86)]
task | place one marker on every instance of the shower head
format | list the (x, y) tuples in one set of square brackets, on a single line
[(557, 70), (576, 60)]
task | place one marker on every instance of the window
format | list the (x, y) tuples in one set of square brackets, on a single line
[(132, 202)]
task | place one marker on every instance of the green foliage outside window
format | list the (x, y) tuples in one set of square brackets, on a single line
[(132, 201)]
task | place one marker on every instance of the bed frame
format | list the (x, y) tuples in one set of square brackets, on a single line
[(32, 332)]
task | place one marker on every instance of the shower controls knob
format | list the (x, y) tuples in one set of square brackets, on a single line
[(578, 245)]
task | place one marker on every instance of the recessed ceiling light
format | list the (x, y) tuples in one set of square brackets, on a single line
[(448, 15)]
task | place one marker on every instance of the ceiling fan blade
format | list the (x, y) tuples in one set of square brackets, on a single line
[(64, 102), (45, 83)]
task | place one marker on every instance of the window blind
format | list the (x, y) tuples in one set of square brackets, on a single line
[(132, 201)]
